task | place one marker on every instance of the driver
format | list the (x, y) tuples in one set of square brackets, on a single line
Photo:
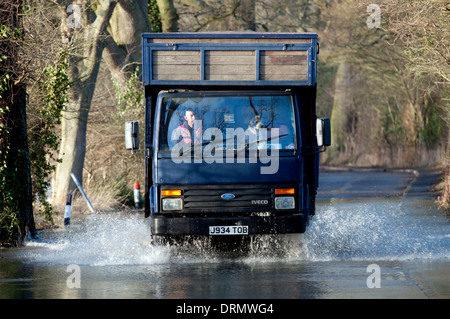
[(187, 132)]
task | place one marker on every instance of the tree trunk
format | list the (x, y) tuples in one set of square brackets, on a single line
[(124, 47), (339, 112), (246, 11), (15, 174), (169, 18), (75, 116), (21, 163), (129, 20)]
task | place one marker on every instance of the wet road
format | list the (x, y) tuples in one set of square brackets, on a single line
[(376, 234)]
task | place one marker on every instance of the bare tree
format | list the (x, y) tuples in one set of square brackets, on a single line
[(84, 73), (111, 30), (422, 29)]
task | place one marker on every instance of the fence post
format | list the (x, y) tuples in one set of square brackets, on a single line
[(82, 192)]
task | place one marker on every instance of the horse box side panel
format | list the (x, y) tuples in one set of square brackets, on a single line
[(229, 58)]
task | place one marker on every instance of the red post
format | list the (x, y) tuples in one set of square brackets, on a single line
[(137, 196)]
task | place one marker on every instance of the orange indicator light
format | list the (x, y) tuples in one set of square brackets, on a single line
[(284, 191), (171, 192)]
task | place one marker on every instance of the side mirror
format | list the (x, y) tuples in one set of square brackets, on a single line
[(323, 132), (132, 135)]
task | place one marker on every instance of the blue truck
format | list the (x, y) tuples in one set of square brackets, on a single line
[(231, 135)]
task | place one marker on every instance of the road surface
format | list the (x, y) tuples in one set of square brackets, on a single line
[(376, 234)]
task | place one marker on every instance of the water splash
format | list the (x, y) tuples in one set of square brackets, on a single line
[(370, 230), (376, 229), (101, 239)]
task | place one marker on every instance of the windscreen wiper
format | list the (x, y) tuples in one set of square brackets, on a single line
[(248, 145)]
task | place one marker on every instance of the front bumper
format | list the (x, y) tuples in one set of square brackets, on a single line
[(162, 226)]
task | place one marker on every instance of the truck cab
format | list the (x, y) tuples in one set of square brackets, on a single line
[(232, 139)]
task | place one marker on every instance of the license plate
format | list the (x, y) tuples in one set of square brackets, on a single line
[(228, 230)]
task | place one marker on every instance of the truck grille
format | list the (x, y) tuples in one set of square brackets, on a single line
[(212, 198)]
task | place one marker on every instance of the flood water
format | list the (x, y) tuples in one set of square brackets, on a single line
[(109, 255)]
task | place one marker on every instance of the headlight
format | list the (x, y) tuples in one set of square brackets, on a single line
[(284, 203), (172, 204)]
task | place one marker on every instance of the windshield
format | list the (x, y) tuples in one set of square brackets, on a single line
[(224, 121)]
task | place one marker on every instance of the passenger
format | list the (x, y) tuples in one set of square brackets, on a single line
[(256, 141)]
